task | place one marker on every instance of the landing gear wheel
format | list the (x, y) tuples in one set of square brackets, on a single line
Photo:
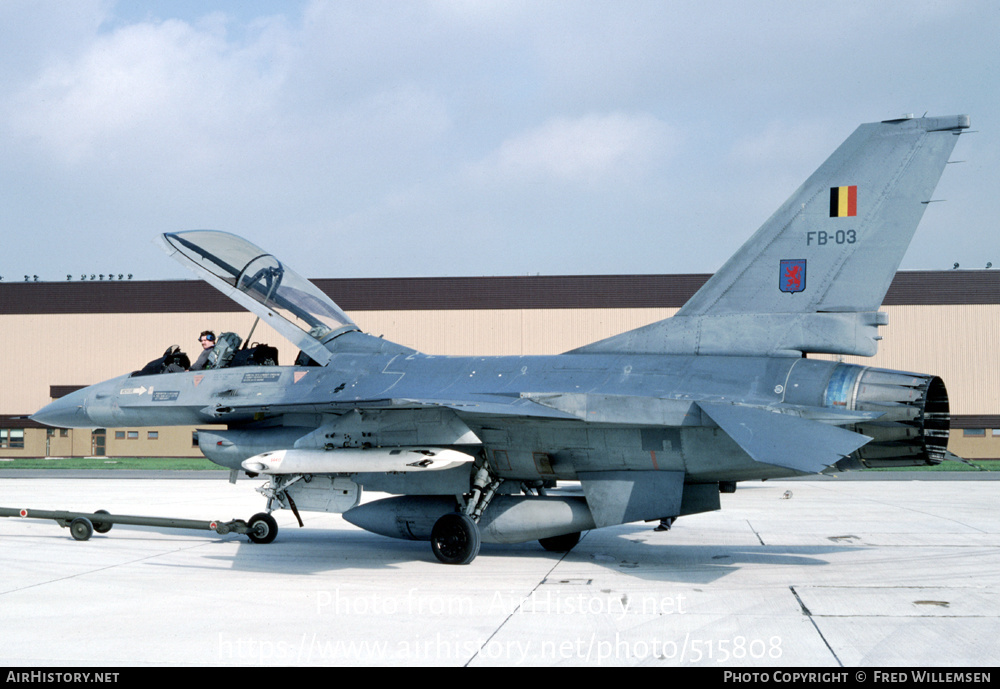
[(102, 527), (561, 544), (455, 539), (263, 528), (81, 528), (665, 524)]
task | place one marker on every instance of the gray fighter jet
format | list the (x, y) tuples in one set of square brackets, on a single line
[(653, 423)]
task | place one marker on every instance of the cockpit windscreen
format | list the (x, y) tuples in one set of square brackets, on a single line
[(257, 274)]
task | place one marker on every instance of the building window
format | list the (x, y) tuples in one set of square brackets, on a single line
[(12, 438), (974, 432), (133, 435), (152, 435), (63, 432), (119, 435), (194, 438)]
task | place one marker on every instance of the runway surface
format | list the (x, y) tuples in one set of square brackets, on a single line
[(841, 573)]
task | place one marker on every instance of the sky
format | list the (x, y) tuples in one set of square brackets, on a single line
[(463, 138)]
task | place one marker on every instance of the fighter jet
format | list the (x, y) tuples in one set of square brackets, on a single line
[(650, 425)]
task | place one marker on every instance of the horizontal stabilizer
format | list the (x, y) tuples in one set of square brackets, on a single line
[(784, 440)]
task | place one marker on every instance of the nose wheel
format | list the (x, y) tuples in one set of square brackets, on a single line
[(455, 539), (262, 528)]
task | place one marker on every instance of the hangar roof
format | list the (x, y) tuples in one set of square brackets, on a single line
[(449, 293)]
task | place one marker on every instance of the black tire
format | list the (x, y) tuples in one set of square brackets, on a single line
[(561, 544), (455, 539), (81, 528), (102, 527), (263, 528)]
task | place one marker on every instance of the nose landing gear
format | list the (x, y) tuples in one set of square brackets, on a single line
[(262, 528)]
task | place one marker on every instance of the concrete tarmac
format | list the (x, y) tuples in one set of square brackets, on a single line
[(836, 574)]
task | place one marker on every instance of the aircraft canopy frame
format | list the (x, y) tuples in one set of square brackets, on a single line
[(262, 284)]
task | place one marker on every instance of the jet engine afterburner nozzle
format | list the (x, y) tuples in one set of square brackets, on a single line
[(915, 420)]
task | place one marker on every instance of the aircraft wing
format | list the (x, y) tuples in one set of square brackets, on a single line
[(486, 405)]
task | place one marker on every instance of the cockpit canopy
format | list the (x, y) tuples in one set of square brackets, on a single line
[(261, 283)]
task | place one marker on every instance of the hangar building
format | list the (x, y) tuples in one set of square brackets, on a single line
[(59, 336)]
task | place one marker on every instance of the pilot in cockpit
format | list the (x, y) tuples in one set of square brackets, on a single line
[(207, 340)]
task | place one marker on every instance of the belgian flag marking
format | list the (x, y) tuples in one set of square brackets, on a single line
[(843, 202)]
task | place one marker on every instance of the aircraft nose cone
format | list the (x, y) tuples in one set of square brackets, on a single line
[(65, 412)]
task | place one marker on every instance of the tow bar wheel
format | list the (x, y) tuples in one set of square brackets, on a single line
[(81, 528), (102, 527)]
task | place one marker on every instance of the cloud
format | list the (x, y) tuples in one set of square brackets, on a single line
[(456, 130), (189, 116), (143, 88), (591, 149)]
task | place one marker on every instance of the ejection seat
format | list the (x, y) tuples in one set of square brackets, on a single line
[(172, 361)]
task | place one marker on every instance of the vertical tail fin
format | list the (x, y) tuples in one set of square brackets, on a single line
[(812, 278)]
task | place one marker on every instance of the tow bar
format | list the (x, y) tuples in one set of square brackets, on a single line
[(261, 528)]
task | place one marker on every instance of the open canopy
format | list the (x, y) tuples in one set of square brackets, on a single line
[(250, 276)]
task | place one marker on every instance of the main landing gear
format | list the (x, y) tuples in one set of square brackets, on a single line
[(560, 544), (455, 537)]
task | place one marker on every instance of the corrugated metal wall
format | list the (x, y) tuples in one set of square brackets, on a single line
[(81, 349), (958, 343)]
